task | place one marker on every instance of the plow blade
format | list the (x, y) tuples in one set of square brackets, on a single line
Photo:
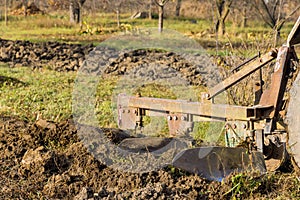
[(215, 163)]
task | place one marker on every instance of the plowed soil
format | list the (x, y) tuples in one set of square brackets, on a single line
[(47, 160)]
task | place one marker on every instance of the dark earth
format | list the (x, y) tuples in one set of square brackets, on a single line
[(47, 160), (53, 55), (43, 159)]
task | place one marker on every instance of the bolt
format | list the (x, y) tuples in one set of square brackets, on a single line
[(169, 117), (205, 95), (273, 52), (245, 126), (183, 118), (123, 111), (175, 118), (128, 111), (234, 126), (227, 126)]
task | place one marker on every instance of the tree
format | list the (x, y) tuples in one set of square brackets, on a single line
[(222, 8), (244, 14), (177, 8), (150, 9), (272, 13), (75, 11), (118, 6), (241, 11), (161, 4), (5, 12)]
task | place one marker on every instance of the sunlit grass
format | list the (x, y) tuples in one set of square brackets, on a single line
[(29, 94), (48, 94)]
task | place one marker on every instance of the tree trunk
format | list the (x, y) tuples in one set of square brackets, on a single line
[(244, 20), (94, 6), (150, 9), (221, 27), (160, 18), (217, 25), (79, 20), (118, 17), (222, 11), (72, 13), (177, 8), (75, 12), (5, 13)]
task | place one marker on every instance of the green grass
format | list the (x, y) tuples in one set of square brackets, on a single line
[(209, 132), (255, 186), (29, 94), (47, 94)]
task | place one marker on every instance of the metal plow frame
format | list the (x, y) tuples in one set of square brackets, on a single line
[(262, 122)]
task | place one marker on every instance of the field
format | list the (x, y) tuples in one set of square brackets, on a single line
[(42, 154)]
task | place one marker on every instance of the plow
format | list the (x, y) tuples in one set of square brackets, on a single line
[(260, 137)]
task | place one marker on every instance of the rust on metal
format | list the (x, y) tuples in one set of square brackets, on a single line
[(248, 69), (244, 63), (258, 86), (179, 124), (274, 95), (127, 117), (254, 127), (294, 36), (196, 108)]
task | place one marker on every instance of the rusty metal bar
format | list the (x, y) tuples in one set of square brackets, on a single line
[(294, 36), (258, 87), (248, 69), (244, 63), (274, 95), (196, 108), (259, 139)]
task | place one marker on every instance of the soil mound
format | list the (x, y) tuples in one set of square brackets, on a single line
[(31, 9), (47, 160), (54, 55), (70, 57)]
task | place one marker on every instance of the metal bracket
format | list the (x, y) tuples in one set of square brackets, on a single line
[(259, 139), (179, 124)]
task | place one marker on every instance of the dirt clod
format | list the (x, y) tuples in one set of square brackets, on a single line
[(53, 163)]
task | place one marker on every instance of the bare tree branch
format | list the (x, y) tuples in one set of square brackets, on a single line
[(273, 14), (161, 2), (277, 3), (256, 6), (222, 10), (271, 17)]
